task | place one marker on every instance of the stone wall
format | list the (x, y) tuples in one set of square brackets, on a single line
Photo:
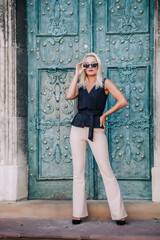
[(13, 101)]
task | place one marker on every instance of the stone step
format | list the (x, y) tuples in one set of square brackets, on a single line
[(97, 209)]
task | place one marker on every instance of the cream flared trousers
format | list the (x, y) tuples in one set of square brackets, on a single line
[(99, 147)]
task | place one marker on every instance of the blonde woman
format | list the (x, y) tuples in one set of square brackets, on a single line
[(88, 125)]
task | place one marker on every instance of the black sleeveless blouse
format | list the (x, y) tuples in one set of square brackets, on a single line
[(90, 108)]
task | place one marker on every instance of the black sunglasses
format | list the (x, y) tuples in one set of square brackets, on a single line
[(87, 65)]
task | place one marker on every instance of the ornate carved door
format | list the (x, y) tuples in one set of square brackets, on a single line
[(58, 38), (60, 33), (124, 42)]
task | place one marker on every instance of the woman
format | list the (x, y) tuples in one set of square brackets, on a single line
[(88, 125)]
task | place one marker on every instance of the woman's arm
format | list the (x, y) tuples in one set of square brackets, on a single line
[(111, 88), (73, 91)]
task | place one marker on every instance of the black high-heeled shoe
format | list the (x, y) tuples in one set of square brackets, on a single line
[(121, 222), (76, 221)]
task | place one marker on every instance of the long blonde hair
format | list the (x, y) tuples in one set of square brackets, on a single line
[(99, 80)]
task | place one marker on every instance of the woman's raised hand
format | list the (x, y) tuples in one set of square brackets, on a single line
[(79, 68), (73, 91)]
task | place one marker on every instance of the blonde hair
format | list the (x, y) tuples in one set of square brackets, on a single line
[(99, 80)]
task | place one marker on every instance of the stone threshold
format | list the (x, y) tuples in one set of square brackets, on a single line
[(97, 209)]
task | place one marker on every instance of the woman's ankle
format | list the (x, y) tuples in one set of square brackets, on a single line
[(121, 219)]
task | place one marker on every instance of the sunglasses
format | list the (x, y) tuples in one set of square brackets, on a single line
[(87, 65)]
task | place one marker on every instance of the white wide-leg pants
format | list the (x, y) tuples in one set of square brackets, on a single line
[(99, 147)]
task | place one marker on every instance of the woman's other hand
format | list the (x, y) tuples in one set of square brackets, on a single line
[(79, 69), (103, 121)]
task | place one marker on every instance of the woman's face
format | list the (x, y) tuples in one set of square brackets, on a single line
[(91, 71)]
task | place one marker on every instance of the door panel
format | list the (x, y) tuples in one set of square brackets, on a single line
[(58, 37), (129, 141), (127, 16), (58, 17), (53, 139), (124, 44)]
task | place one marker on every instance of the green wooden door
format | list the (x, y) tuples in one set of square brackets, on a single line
[(60, 33), (124, 42), (58, 38)]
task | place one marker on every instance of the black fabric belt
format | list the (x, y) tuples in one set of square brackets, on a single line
[(91, 115)]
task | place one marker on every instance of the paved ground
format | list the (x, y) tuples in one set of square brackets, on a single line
[(32, 228)]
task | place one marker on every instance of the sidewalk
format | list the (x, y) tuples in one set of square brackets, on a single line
[(32, 228), (44, 219)]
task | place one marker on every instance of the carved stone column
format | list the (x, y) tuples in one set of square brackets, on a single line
[(156, 168), (13, 108)]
